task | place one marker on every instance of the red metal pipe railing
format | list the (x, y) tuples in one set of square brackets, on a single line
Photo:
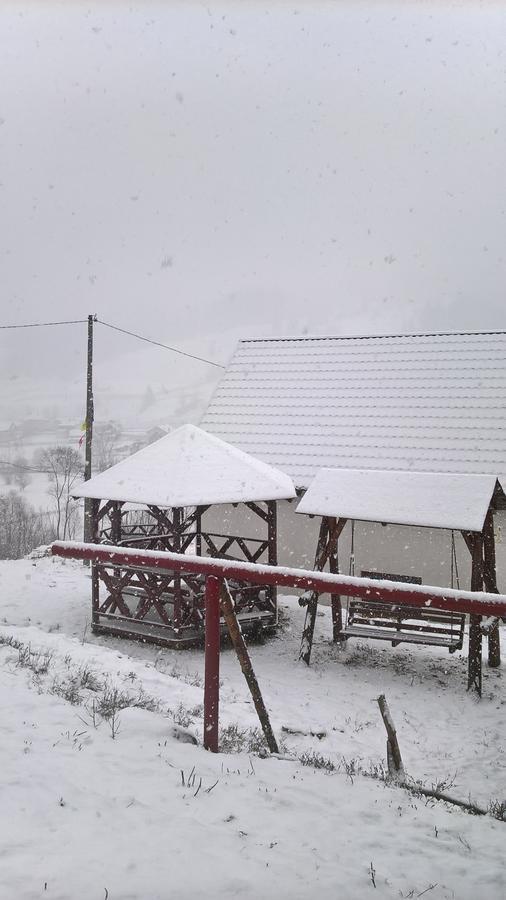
[(478, 603), (215, 570)]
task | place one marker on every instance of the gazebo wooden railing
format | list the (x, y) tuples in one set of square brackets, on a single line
[(214, 571), (168, 608)]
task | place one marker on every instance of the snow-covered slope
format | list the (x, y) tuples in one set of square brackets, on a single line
[(144, 816)]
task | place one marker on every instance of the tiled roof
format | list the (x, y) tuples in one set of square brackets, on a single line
[(422, 402)]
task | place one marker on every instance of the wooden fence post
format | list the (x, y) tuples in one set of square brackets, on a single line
[(394, 759)]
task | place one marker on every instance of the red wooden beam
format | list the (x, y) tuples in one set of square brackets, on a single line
[(397, 593)]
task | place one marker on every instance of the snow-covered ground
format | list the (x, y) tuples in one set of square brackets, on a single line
[(145, 816)]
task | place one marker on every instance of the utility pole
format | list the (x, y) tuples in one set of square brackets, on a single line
[(89, 428)]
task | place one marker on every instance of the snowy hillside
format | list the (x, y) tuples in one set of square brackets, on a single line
[(104, 799)]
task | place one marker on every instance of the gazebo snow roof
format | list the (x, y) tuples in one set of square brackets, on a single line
[(433, 499), (189, 467)]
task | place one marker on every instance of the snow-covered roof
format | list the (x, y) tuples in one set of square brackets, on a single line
[(439, 500), (424, 402), (189, 468)]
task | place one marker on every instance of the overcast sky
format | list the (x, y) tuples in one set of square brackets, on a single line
[(197, 171)]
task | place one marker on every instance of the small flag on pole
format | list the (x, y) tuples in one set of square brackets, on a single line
[(83, 429)]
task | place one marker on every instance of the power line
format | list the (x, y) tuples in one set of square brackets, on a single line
[(134, 334), (45, 324), (5, 462), (158, 344)]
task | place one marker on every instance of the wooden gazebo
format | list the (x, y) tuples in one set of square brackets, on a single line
[(459, 503), (157, 499)]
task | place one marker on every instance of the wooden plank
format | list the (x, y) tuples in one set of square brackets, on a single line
[(399, 636)]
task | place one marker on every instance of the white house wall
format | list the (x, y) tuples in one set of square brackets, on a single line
[(396, 549)]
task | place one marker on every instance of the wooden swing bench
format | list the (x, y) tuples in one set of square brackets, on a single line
[(384, 621)]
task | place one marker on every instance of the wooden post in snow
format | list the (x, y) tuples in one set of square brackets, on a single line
[(490, 579), (475, 636), (236, 636), (394, 759)]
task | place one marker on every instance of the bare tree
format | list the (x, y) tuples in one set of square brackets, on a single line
[(64, 467), (105, 439), (21, 472), (21, 528)]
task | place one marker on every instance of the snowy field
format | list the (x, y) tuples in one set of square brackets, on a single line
[(121, 808)]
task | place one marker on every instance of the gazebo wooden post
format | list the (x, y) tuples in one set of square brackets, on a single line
[(115, 520), (475, 636), (335, 599), (326, 551), (310, 601), (95, 538), (272, 538), (198, 530), (490, 579), (115, 516), (177, 516)]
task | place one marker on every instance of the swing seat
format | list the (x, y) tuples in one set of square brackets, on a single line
[(384, 621)]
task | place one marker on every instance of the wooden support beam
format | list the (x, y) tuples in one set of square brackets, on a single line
[(475, 636), (177, 515), (198, 530), (262, 513), (490, 579), (335, 530), (326, 552), (236, 636), (272, 548), (115, 517), (105, 509), (306, 644)]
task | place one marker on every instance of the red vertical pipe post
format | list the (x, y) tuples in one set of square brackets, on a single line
[(212, 663)]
